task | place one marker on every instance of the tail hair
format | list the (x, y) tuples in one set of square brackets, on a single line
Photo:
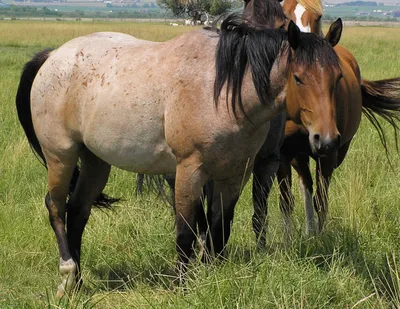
[(156, 184), (382, 98)]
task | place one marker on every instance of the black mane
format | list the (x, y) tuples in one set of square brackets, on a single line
[(313, 49), (263, 13), (239, 47)]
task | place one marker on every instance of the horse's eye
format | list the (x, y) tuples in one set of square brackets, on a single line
[(319, 18), (339, 78), (297, 79)]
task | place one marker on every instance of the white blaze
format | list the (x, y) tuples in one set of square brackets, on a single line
[(298, 12)]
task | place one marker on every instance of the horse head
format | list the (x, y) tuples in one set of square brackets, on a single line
[(314, 76), (306, 14), (261, 14)]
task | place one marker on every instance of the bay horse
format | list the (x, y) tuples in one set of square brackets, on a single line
[(380, 97), (267, 14), (323, 116), (104, 100)]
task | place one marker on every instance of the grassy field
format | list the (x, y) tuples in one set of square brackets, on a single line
[(129, 253)]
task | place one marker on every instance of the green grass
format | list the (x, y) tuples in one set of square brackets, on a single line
[(129, 255)]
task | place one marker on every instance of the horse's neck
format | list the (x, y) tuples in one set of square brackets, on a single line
[(257, 112)]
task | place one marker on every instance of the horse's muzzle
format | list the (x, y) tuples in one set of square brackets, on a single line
[(324, 146)]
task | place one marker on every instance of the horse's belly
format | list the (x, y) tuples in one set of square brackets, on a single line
[(132, 140), (134, 156)]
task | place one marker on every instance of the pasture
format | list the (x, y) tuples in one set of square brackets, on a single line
[(129, 254)]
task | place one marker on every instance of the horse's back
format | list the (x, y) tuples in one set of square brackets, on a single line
[(110, 91)]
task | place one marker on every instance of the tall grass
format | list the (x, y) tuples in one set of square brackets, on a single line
[(128, 253)]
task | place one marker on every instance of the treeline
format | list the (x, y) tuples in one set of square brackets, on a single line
[(358, 3), (328, 17), (117, 12)]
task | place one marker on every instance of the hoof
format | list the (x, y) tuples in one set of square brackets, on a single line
[(68, 271)]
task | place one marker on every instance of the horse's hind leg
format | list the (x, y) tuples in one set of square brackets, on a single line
[(91, 182), (220, 214), (264, 173), (60, 170), (286, 199)]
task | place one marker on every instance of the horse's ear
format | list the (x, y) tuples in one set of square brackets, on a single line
[(293, 35), (335, 32)]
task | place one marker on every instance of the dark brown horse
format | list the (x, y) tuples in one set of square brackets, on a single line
[(266, 14), (262, 14), (258, 14)]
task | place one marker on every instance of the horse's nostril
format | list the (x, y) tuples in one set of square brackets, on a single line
[(317, 141)]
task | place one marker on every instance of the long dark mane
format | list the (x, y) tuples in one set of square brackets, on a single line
[(263, 13), (240, 47), (312, 49)]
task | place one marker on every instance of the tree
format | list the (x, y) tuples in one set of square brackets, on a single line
[(196, 8)]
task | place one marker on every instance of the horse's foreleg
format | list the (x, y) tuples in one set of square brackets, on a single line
[(325, 167), (60, 172), (286, 200), (91, 182), (189, 182), (301, 165), (264, 173)]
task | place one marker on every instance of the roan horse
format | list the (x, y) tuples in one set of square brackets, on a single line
[(103, 99)]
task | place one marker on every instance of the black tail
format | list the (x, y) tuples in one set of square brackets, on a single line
[(156, 185), (382, 97), (23, 104)]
